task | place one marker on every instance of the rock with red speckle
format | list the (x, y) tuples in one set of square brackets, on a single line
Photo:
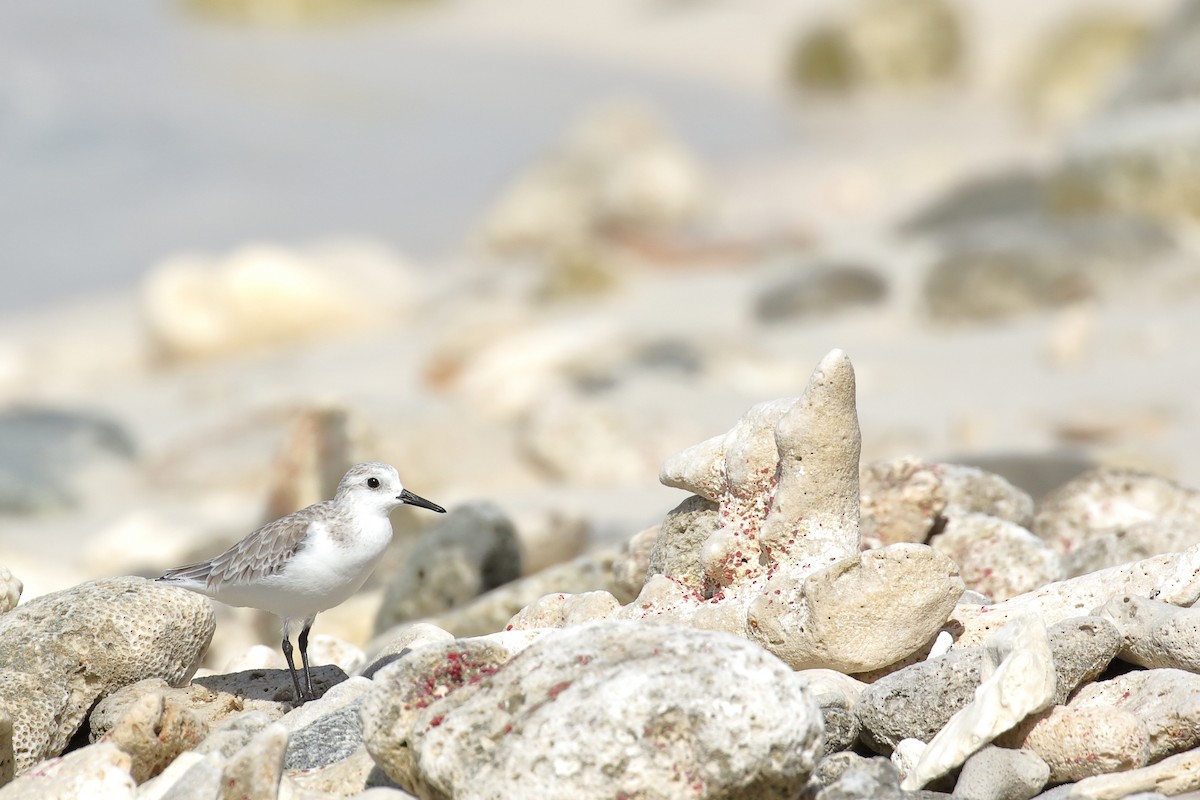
[(906, 499), (995, 557), (99, 772), (859, 614), (1080, 742), (561, 610), (408, 699), (1110, 516), (1166, 700), (603, 710), (1156, 634), (1172, 578)]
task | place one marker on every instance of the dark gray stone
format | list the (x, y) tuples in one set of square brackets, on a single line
[(998, 773), (471, 550), (329, 739), (870, 779), (842, 727), (917, 701)]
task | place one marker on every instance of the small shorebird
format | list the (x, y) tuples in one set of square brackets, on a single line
[(309, 561)]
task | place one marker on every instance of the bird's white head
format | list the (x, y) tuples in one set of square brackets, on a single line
[(375, 485)]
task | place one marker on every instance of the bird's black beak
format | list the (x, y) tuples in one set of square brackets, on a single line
[(411, 499)]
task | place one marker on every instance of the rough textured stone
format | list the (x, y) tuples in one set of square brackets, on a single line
[(100, 771), (1109, 516), (631, 567), (917, 701), (997, 558), (492, 611), (8, 761), (399, 642), (327, 730), (906, 500), (1167, 701), (646, 693), (1170, 777), (1156, 634), (1172, 578), (254, 687), (255, 771), (233, 734), (836, 695), (998, 773), (472, 550), (153, 731), (1018, 679), (561, 610), (1079, 742), (93, 639), (864, 779), (10, 590), (680, 541)]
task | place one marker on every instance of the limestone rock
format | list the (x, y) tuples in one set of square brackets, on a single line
[(10, 590), (1167, 701), (917, 701), (261, 295), (646, 693), (633, 564), (190, 775), (1018, 679), (1172, 578), (906, 500), (561, 610), (256, 770), (1171, 777), (153, 731), (472, 550), (1156, 634), (91, 640), (268, 688), (1079, 742), (100, 771), (836, 696), (492, 611), (998, 773), (1107, 517), (399, 642), (997, 558)]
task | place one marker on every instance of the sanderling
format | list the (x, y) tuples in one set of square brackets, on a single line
[(309, 561)]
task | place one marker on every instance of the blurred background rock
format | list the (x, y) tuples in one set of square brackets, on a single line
[(527, 250)]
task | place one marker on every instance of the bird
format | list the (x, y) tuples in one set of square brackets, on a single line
[(308, 561)]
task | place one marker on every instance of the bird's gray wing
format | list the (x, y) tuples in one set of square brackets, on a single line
[(264, 552)]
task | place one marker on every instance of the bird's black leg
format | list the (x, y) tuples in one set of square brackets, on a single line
[(303, 640), (287, 653)]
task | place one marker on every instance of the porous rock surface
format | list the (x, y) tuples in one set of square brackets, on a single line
[(89, 641), (777, 560), (668, 712)]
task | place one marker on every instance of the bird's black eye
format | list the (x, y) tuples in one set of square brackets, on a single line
[(373, 483)]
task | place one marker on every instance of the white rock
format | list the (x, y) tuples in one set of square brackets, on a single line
[(1156, 634), (1167, 701), (682, 711), (326, 649), (1022, 682), (1079, 742), (10, 590), (1171, 776), (996, 557), (97, 772), (1172, 578)]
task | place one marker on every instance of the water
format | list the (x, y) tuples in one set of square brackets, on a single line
[(130, 130)]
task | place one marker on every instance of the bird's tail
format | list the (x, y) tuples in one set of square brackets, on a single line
[(195, 574)]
